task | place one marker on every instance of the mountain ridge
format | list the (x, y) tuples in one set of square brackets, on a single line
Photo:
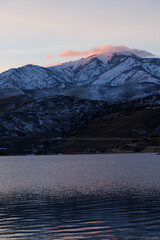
[(102, 71), (107, 62)]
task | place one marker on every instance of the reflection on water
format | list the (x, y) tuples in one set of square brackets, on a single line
[(80, 197)]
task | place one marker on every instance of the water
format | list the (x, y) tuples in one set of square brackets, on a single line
[(80, 197)]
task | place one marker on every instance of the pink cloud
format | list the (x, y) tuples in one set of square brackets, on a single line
[(70, 53), (50, 56), (105, 48), (53, 64)]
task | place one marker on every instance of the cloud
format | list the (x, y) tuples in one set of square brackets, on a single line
[(53, 64), (50, 56), (70, 53), (105, 48)]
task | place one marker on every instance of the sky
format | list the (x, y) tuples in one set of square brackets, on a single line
[(49, 32)]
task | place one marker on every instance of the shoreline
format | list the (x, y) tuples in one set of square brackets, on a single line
[(83, 154), (79, 145)]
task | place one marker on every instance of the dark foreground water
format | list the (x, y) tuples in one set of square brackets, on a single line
[(80, 197)]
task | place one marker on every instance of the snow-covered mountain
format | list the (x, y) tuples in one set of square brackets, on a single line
[(99, 77)]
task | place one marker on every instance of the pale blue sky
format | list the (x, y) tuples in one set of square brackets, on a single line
[(33, 29)]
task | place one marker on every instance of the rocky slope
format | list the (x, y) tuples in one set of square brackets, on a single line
[(48, 117)]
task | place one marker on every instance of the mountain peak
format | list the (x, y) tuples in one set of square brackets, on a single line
[(106, 56)]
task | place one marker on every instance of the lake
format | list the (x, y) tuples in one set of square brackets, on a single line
[(110, 196)]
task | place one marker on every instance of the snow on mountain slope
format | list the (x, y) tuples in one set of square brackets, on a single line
[(30, 77), (82, 71), (123, 66), (152, 68), (133, 76), (86, 75)]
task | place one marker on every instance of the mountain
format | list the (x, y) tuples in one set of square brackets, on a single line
[(113, 77), (50, 103)]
